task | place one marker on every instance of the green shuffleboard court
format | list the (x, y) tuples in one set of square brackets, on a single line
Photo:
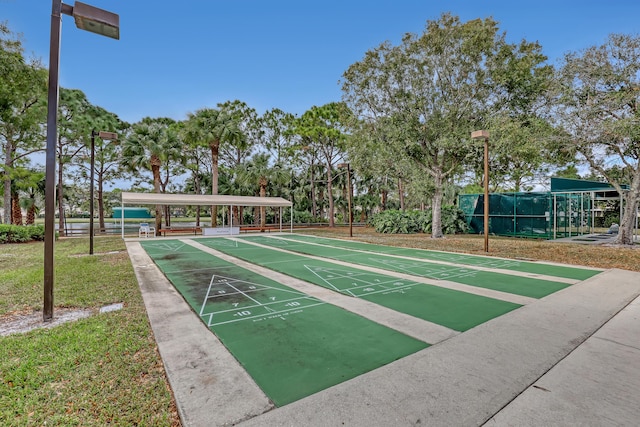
[(291, 344), (472, 260), (453, 309), (518, 285)]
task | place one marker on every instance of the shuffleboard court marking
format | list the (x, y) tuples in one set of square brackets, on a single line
[(359, 287), (244, 310), (292, 345), (456, 310), (420, 329), (166, 245), (533, 287), (496, 265), (426, 271), (486, 292)]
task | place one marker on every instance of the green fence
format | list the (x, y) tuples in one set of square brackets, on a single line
[(540, 215)]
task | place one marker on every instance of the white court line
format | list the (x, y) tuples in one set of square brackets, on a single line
[(420, 329), (352, 277), (238, 290), (445, 253), (168, 246), (336, 273), (272, 313), (453, 264), (428, 271), (442, 283), (207, 296), (409, 285), (258, 305)]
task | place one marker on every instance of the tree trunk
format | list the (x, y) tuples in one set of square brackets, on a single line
[(314, 207), (236, 215), (345, 196), (100, 194), (8, 162), (436, 207), (263, 209), (401, 194), (215, 149), (31, 212), (383, 200), (61, 228), (16, 212), (330, 196), (196, 190), (155, 170), (167, 215), (628, 221)]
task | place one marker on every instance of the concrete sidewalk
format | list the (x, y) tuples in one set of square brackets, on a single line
[(597, 384), (569, 358)]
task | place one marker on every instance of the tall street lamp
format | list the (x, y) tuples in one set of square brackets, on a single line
[(97, 21), (346, 165), (105, 136), (484, 134)]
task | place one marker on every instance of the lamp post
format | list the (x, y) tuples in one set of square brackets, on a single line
[(343, 165), (483, 134), (103, 135), (87, 18)]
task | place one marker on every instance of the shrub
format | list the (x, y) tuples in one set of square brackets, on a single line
[(453, 220), (20, 233), (409, 222), (611, 218)]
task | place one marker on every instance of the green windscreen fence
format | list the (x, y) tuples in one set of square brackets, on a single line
[(539, 215)]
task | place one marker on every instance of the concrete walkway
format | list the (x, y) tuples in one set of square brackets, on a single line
[(569, 358)]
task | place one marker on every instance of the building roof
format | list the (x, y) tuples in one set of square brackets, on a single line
[(130, 198)]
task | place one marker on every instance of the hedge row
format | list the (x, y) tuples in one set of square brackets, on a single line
[(20, 233), (410, 222)]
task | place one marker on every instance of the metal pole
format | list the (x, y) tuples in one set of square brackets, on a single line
[(350, 196), (593, 212), (93, 160), (555, 215), (50, 166), (570, 201), (581, 212), (122, 219), (486, 194)]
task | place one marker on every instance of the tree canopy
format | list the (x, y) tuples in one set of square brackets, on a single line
[(598, 96), (423, 97), (403, 125)]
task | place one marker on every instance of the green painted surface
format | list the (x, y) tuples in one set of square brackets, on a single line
[(456, 310), (291, 344), (518, 285), (472, 260)]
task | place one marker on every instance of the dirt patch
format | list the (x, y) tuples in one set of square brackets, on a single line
[(25, 321)]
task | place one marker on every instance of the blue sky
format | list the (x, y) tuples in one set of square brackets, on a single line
[(177, 57)]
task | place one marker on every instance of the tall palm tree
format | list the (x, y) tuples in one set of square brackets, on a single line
[(24, 180), (262, 177), (34, 185), (151, 144), (256, 175), (212, 127)]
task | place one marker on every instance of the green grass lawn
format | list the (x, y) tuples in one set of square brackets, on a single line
[(100, 370)]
